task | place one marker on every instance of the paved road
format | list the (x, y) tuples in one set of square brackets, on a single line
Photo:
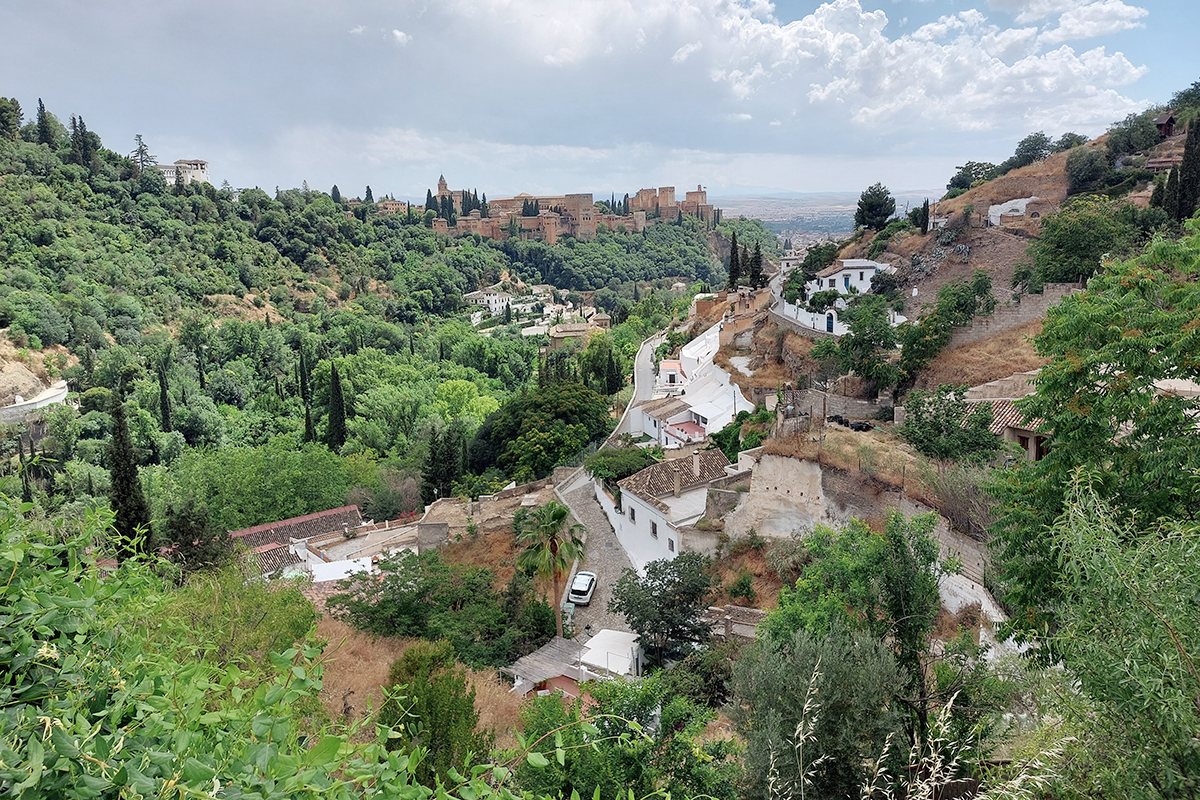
[(603, 556), (643, 379)]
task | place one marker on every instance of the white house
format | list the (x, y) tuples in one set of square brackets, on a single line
[(494, 300), (696, 356), (658, 501), (656, 416), (186, 170), (847, 276)]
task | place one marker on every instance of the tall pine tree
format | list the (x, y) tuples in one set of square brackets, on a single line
[(1189, 173), (125, 495), (164, 399), (335, 436), (735, 269), (45, 128), (1171, 196), (754, 276)]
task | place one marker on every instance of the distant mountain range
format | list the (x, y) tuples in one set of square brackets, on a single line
[(792, 214)]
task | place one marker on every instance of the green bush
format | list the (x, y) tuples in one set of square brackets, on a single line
[(432, 704), (743, 587)]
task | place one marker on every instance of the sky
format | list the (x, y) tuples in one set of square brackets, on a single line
[(744, 97)]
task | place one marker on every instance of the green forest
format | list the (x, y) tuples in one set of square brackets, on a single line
[(322, 348), (236, 358)]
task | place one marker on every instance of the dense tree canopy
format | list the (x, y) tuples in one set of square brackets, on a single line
[(875, 207), (1105, 398)]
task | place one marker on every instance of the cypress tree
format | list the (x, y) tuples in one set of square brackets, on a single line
[(925, 217), (125, 495), (336, 195), (368, 197), (45, 131), (735, 269), (612, 378), (1156, 197), (1189, 173), (336, 435), (310, 433), (1171, 195), (76, 154), (164, 400), (754, 276), (430, 203)]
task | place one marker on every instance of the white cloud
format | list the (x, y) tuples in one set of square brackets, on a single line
[(358, 30), (962, 69), (1095, 19), (401, 37), (681, 55)]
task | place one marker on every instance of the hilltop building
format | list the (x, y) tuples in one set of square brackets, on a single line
[(185, 170), (568, 214)]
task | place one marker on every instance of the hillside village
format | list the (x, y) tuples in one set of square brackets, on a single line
[(411, 459)]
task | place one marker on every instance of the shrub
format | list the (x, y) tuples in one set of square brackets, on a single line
[(743, 587), (435, 707)]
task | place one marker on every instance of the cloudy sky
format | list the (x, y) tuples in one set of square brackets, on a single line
[(743, 96)]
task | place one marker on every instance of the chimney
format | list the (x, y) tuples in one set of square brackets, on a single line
[(675, 470), (696, 463)]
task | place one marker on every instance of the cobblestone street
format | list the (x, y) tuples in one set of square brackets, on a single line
[(603, 556)]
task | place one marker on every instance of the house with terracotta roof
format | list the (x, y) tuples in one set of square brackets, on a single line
[(660, 500), (271, 542)]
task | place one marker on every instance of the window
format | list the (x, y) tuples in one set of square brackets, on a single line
[(671, 545), (1023, 441), (632, 515), (860, 277), (846, 281), (832, 282), (654, 529)]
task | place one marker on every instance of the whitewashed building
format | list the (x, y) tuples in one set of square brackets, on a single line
[(185, 169), (847, 276), (494, 300), (659, 500)]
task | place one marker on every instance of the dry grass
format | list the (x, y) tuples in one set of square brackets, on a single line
[(356, 670), (1005, 353), (767, 372), (948, 626), (766, 582), (230, 306), (879, 456), (498, 707)]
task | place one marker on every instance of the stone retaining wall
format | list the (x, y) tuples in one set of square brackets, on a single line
[(1012, 315)]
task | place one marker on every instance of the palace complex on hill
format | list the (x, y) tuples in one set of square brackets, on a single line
[(571, 214)]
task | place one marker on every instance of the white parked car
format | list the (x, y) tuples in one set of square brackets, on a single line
[(582, 588)]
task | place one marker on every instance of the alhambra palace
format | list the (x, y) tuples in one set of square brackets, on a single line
[(572, 214)]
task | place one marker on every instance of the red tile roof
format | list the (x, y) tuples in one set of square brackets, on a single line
[(304, 527), (658, 480)]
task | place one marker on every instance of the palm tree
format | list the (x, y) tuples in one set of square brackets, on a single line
[(551, 546)]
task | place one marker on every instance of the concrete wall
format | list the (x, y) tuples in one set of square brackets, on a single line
[(431, 535), (1032, 307), (800, 327), (18, 412), (818, 404)]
